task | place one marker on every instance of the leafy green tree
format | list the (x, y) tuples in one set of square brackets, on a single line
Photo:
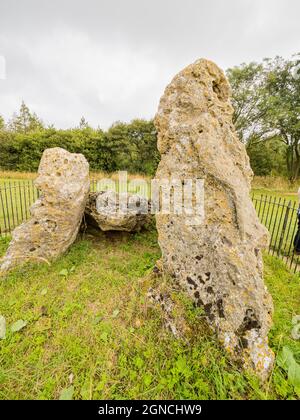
[(134, 144), (247, 83), (142, 138), (268, 157), (266, 100), (283, 109)]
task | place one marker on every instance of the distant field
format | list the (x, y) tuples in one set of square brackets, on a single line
[(284, 195)]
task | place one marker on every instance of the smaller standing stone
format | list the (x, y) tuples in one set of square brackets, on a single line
[(63, 182)]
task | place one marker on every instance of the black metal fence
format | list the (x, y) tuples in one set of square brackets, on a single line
[(16, 198), (277, 214)]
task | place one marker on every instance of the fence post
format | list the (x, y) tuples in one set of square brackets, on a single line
[(286, 216)]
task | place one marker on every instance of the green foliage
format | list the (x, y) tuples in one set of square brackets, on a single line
[(260, 159), (135, 146), (247, 84), (287, 362), (67, 394), (130, 147), (18, 325), (267, 157), (266, 100), (283, 108)]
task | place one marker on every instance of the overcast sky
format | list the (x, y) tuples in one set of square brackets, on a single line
[(111, 59)]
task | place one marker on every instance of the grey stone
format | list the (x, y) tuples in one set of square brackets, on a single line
[(218, 262), (63, 182), (118, 211)]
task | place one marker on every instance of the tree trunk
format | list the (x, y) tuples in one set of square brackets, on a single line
[(297, 162)]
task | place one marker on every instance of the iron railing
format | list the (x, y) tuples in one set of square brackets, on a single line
[(279, 215), (276, 213)]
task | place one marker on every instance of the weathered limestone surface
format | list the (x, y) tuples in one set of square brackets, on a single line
[(105, 211), (219, 261), (63, 182)]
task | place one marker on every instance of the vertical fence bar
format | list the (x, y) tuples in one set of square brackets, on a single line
[(268, 209), (286, 216), (260, 201), (25, 200), (263, 213), (295, 254), (36, 191), (21, 201), (292, 243), (3, 211), (272, 212), (279, 225), (255, 203), (293, 213), (16, 203), (274, 225), (7, 208), (14, 223), (29, 196)]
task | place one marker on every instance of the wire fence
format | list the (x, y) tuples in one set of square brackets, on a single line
[(277, 214)]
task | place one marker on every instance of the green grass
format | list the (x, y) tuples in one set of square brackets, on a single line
[(284, 195), (91, 331)]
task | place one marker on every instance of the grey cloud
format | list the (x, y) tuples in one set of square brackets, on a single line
[(110, 60)]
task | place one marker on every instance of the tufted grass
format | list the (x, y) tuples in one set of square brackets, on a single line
[(91, 331)]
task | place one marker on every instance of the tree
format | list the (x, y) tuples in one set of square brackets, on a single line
[(283, 109), (83, 123), (133, 146), (247, 83), (142, 137), (268, 157), (25, 121), (266, 100)]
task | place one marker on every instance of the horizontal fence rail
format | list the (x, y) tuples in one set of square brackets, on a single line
[(277, 214)]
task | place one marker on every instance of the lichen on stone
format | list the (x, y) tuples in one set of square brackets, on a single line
[(218, 262)]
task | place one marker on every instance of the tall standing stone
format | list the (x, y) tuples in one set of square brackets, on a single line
[(63, 183), (218, 261)]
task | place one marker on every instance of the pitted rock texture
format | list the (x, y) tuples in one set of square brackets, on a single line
[(218, 261), (63, 183), (109, 211)]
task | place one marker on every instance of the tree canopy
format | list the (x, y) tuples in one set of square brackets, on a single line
[(266, 101), (124, 146)]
